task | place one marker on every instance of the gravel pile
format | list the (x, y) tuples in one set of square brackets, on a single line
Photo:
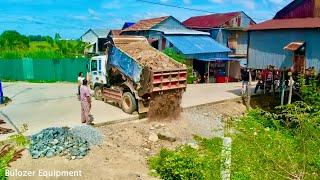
[(58, 141), (92, 135)]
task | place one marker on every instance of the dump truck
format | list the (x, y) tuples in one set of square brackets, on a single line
[(132, 72)]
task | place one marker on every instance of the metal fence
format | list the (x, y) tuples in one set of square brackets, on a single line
[(38, 70)]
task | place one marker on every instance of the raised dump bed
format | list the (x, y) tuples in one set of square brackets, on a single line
[(151, 69)]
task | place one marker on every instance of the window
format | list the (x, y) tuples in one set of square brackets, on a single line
[(94, 65)]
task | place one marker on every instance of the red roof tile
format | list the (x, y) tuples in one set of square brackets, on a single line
[(297, 23), (146, 24), (209, 21)]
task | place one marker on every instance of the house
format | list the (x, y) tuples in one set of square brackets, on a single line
[(290, 40), (168, 32), (228, 29), (95, 39), (114, 33), (300, 9)]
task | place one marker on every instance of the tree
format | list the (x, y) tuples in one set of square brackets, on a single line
[(57, 37), (13, 40)]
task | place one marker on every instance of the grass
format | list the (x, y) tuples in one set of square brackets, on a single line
[(282, 144)]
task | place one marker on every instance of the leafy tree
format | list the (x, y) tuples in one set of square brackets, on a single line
[(57, 37), (13, 40)]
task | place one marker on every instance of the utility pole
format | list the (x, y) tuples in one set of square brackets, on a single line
[(282, 88), (291, 87), (249, 90)]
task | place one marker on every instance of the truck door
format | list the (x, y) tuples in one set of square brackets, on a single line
[(94, 71)]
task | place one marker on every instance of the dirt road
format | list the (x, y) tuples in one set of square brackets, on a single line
[(47, 105), (127, 145)]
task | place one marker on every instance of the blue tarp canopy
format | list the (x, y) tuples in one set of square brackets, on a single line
[(196, 44), (127, 24), (220, 59)]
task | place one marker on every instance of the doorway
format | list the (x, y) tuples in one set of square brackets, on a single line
[(299, 60)]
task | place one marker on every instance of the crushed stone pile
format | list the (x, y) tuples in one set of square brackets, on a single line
[(166, 106), (58, 141), (88, 133), (148, 56)]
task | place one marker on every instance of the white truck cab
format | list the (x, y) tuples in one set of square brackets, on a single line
[(97, 71)]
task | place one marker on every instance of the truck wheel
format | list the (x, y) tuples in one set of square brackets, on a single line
[(98, 93), (128, 103)]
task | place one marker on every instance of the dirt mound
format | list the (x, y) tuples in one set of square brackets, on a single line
[(166, 106), (148, 56), (4, 130)]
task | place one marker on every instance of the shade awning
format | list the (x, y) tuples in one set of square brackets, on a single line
[(293, 46), (195, 44), (219, 59)]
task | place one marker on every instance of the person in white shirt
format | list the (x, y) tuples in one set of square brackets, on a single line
[(80, 81)]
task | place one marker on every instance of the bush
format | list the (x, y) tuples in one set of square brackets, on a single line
[(265, 147), (310, 92), (181, 59), (281, 144), (189, 163), (16, 46)]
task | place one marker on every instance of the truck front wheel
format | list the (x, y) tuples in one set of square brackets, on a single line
[(98, 93), (128, 103)]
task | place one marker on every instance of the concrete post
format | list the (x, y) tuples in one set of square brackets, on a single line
[(291, 87), (226, 159), (249, 89), (283, 88)]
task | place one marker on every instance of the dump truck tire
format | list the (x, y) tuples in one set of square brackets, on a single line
[(98, 93), (128, 103)]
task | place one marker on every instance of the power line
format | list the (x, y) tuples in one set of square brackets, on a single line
[(186, 8), (175, 6)]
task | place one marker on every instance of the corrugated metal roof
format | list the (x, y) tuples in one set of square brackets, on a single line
[(209, 21), (293, 46), (189, 44), (180, 31), (146, 24), (297, 9), (225, 59), (101, 33), (115, 32), (296, 23)]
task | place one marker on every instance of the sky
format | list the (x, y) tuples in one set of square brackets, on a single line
[(71, 18)]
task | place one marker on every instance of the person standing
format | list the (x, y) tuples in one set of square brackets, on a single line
[(85, 99), (245, 81), (260, 82), (80, 80)]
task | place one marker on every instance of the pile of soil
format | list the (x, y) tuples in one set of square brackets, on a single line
[(146, 55), (165, 106), (4, 130)]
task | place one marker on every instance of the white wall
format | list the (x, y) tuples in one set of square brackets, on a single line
[(90, 38)]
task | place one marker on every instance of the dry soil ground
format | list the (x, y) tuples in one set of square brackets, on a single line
[(127, 145)]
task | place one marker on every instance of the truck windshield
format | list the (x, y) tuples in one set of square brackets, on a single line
[(94, 66)]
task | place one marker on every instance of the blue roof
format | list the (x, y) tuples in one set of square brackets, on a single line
[(127, 24), (225, 59), (196, 44)]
